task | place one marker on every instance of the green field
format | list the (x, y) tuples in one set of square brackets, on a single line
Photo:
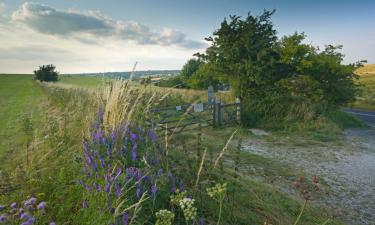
[(58, 119), (20, 98), (366, 96)]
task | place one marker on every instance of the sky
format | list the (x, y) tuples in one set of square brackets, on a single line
[(81, 36)]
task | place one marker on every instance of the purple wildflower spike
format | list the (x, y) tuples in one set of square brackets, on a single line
[(52, 223), (125, 219), (13, 205), (134, 152), (117, 190), (160, 172), (85, 204), (25, 216), (133, 137), (151, 135), (3, 218), (154, 189), (42, 206)]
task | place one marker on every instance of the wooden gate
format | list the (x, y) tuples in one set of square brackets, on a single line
[(179, 118)]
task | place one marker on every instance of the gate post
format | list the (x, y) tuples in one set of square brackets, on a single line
[(210, 95), (216, 113), (238, 110)]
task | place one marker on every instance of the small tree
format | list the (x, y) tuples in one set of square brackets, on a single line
[(46, 73)]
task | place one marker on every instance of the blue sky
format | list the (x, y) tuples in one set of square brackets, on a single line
[(99, 36)]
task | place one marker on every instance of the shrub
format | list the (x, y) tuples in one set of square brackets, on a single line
[(46, 73)]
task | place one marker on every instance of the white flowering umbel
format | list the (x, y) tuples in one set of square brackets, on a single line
[(187, 206), (164, 217), (218, 193)]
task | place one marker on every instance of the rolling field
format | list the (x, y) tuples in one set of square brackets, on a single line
[(366, 97)]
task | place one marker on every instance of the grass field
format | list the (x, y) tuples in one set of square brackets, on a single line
[(59, 117), (366, 97)]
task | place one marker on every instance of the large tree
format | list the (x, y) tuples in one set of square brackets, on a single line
[(268, 73)]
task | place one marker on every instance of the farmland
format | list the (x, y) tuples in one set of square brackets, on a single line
[(54, 165)]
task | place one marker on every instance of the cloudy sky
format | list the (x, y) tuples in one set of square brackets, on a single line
[(101, 36)]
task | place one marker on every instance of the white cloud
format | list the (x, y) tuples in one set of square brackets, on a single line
[(94, 25), (22, 50)]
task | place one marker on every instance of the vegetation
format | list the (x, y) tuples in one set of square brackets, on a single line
[(366, 96), (277, 79), (97, 141), (46, 73)]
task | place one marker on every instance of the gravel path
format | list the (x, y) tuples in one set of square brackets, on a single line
[(348, 167)]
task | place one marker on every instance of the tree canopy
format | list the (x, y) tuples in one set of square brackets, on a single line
[(268, 73), (46, 73)]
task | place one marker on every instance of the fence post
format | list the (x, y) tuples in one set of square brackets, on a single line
[(216, 112), (238, 109), (210, 95), (221, 112)]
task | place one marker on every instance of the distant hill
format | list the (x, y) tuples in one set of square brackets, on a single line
[(136, 75), (367, 70)]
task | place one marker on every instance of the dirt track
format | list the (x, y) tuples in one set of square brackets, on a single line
[(347, 166)]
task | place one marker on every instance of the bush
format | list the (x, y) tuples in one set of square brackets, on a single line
[(46, 73)]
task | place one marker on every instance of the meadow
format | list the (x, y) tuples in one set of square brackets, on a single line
[(366, 96), (49, 131)]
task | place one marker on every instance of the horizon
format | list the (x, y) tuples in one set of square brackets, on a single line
[(99, 37)]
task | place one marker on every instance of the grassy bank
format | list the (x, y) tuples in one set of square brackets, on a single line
[(60, 119)]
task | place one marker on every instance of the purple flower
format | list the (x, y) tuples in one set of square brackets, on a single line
[(13, 205), (151, 135), (52, 223), (25, 216), (125, 218), (201, 221), (30, 221), (3, 218), (134, 152), (117, 190), (154, 189), (107, 186), (42, 206), (85, 204), (97, 187), (138, 192), (160, 172), (133, 137)]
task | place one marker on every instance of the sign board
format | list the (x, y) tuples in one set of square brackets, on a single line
[(198, 107), (178, 108)]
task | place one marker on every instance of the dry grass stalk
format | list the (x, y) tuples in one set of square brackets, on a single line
[(201, 167), (224, 149)]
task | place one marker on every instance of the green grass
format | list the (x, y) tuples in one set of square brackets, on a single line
[(366, 97), (83, 81), (19, 97), (59, 118)]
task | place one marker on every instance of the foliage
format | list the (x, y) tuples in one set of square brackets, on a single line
[(263, 70), (190, 67), (46, 73)]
